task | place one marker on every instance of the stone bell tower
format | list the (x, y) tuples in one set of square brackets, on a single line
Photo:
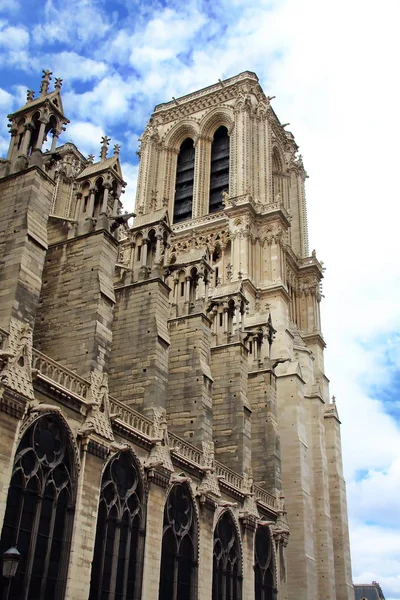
[(241, 277)]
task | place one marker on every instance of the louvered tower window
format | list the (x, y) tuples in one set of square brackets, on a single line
[(263, 565), (227, 580), (184, 182), (39, 512), (219, 179), (118, 552), (178, 556)]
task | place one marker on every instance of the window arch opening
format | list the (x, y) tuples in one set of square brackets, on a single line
[(219, 172), (39, 512), (183, 205), (118, 552), (277, 177), (179, 554), (227, 580), (264, 584)]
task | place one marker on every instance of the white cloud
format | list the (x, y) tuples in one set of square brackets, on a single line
[(85, 136), (74, 66), (130, 173), (9, 6), (13, 38), (80, 21)]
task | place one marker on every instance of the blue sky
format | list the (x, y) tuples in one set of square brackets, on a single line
[(333, 67)]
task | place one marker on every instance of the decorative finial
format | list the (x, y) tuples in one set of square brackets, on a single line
[(117, 149), (91, 158), (30, 94), (333, 399), (58, 83), (45, 82), (104, 147)]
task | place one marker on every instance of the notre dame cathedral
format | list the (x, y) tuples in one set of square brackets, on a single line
[(166, 428)]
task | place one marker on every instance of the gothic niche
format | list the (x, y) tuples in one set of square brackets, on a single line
[(179, 547), (219, 173), (118, 552), (263, 565), (39, 512), (227, 568), (277, 177), (184, 182)]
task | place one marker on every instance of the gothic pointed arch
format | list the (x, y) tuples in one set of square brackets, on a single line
[(227, 560), (118, 553), (278, 175), (40, 509), (184, 129), (219, 170), (178, 573), (264, 565), (184, 182), (215, 118)]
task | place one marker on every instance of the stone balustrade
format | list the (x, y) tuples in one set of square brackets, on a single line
[(130, 417), (186, 450), (59, 374), (228, 476), (265, 497), (140, 424)]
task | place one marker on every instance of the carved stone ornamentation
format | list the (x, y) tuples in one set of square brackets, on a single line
[(98, 418), (16, 370), (209, 484), (160, 454)]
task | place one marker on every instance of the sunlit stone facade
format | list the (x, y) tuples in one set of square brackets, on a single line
[(166, 426)]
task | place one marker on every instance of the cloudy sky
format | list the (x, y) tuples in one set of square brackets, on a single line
[(333, 67)]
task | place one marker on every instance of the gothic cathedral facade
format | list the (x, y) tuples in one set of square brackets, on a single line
[(166, 428)]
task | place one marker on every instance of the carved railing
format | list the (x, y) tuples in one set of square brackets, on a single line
[(138, 422), (230, 477), (186, 450), (130, 417), (265, 497), (59, 374)]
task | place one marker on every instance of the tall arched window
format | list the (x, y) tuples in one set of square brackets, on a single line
[(219, 174), (277, 176), (179, 555), (39, 512), (263, 565), (184, 182), (118, 552), (227, 580)]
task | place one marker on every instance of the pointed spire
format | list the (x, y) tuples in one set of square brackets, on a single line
[(44, 87), (58, 83), (104, 147), (30, 94)]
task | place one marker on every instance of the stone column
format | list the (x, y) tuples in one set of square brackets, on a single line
[(13, 132), (90, 206), (27, 138), (104, 204), (39, 142), (84, 529), (54, 141), (153, 542)]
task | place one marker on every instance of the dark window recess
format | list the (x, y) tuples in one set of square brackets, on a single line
[(219, 178), (39, 513), (227, 580), (184, 182), (178, 555), (263, 565), (118, 551)]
